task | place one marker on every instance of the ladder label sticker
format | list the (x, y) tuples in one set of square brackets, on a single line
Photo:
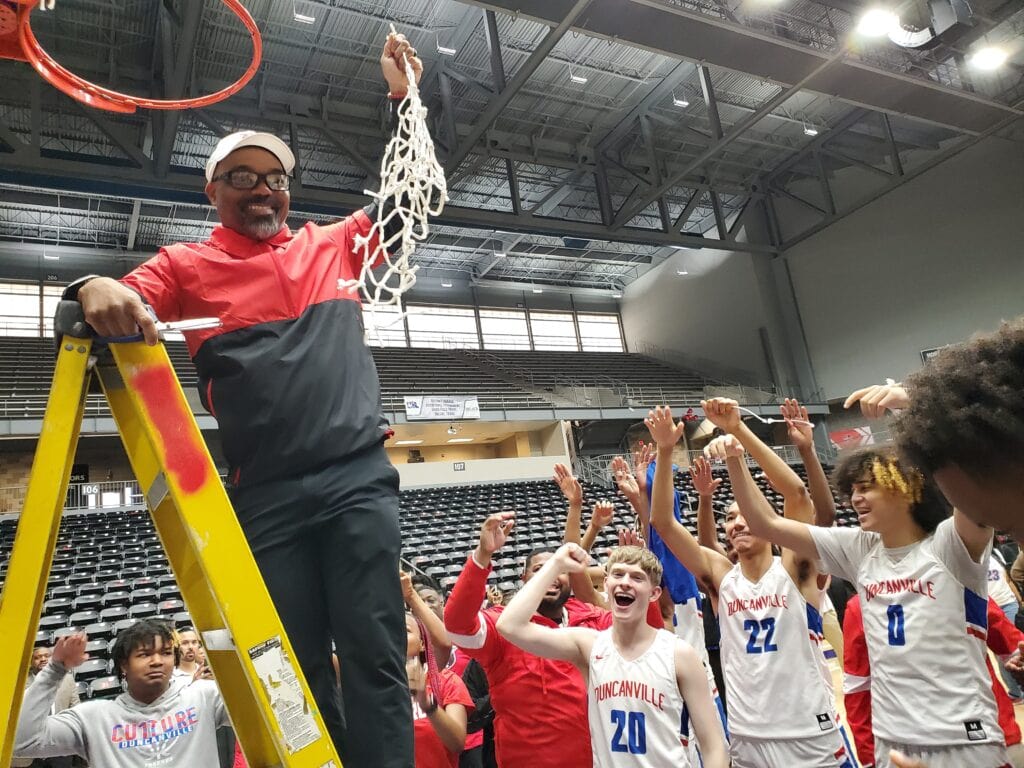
[(291, 710)]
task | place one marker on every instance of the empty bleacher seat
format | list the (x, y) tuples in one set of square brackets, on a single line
[(105, 688)]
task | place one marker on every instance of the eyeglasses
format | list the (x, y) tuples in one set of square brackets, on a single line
[(277, 181)]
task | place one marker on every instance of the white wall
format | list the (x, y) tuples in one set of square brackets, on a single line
[(928, 264), (714, 312), (480, 471)]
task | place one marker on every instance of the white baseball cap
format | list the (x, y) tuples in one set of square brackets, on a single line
[(267, 141)]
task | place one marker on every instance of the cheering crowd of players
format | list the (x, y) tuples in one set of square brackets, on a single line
[(570, 673)]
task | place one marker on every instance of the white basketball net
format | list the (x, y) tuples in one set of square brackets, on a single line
[(412, 188)]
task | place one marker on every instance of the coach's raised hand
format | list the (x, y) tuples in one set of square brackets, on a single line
[(397, 49), (493, 535)]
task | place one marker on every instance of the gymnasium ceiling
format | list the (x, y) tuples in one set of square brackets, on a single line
[(693, 113)]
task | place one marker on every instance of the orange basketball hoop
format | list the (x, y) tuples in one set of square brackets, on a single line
[(17, 42)]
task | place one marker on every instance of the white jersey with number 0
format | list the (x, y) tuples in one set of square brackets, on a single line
[(925, 613), (771, 658), (635, 706)]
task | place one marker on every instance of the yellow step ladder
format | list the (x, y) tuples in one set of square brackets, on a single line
[(271, 707)]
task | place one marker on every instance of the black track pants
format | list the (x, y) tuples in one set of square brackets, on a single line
[(327, 544)]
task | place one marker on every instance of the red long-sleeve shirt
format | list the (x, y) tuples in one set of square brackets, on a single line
[(1002, 639), (540, 705)]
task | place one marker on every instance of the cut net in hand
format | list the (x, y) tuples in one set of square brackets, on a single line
[(412, 189)]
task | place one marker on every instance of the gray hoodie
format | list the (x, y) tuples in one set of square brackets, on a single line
[(178, 730)]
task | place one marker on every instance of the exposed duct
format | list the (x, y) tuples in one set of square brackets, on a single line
[(950, 19)]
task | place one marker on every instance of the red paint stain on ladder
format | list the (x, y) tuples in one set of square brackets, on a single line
[(186, 458)]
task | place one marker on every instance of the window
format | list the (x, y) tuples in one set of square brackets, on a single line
[(599, 333), (504, 329), (51, 297), (443, 327), (19, 309), (553, 331), (385, 327)]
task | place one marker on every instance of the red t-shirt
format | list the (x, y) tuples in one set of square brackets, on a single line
[(430, 752)]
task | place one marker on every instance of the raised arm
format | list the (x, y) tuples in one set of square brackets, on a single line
[(757, 512), (629, 487), (582, 586), (600, 518), (725, 413), (40, 734), (801, 434), (436, 633), (976, 537), (643, 455), (448, 719), (462, 611), (875, 402), (693, 686), (573, 492), (706, 484), (514, 623), (706, 565)]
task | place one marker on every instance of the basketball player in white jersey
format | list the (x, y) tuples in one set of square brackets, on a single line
[(638, 678), (781, 713), (919, 581), (687, 619), (922, 578)]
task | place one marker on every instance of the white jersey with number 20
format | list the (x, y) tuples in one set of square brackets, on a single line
[(635, 706)]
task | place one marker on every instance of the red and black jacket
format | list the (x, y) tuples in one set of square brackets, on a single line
[(287, 376)]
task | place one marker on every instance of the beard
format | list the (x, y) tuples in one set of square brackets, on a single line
[(559, 601), (260, 227)]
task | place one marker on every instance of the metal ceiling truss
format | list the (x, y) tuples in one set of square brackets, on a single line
[(643, 176), (357, 135), (816, 153)]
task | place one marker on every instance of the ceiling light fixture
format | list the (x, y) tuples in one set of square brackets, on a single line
[(461, 440), (444, 50), (679, 102), (810, 130), (877, 22), (988, 58), (408, 442), (682, 272), (451, 429), (537, 290), (616, 295), (578, 79), (302, 18), (446, 284)]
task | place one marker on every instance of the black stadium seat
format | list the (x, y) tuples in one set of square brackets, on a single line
[(105, 688), (91, 669)]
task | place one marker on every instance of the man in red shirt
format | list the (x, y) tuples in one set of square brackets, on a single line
[(296, 397), (1003, 639), (540, 705)]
